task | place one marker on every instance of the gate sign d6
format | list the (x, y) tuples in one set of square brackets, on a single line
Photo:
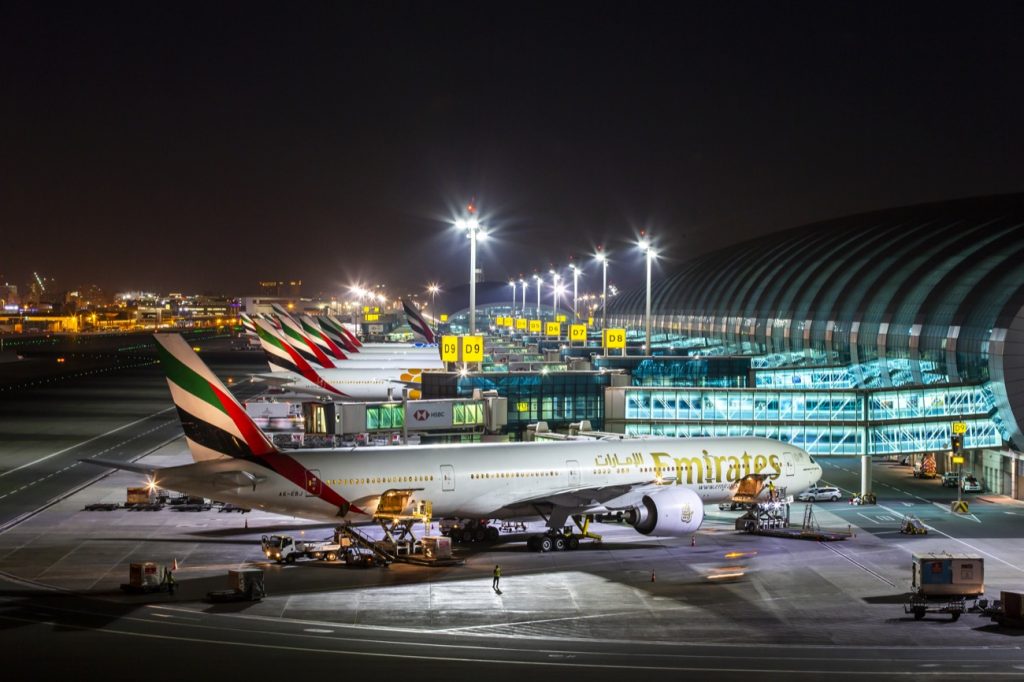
[(578, 332), (553, 329), (472, 349), (449, 349), (615, 338)]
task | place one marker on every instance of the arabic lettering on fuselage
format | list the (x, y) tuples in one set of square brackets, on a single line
[(707, 468)]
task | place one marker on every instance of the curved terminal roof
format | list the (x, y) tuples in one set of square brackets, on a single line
[(921, 294)]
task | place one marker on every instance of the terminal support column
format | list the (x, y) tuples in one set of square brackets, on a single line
[(865, 475)]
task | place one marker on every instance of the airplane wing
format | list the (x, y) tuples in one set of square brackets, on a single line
[(624, 495), (126, 466)]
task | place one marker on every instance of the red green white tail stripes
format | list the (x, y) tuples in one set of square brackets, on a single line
[(282, 356), (317, 335), (301, 342), (217, 427), (215, 424)]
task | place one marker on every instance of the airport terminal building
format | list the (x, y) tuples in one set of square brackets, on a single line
[(869, 334)]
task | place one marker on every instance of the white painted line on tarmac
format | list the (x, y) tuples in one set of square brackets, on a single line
[(945, 508), (72, 447), (868, 518), (967, 544)]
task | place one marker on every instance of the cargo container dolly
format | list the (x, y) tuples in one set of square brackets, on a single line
[(942, 583)]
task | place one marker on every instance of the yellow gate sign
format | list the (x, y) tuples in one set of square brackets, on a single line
[(590, 322), (614, 338), (449, 349), (535, 326), (958, 460), (444, 317), (578, 332), (472, 349), (553, 329), (960, 428), (521, 323), (560, 318)]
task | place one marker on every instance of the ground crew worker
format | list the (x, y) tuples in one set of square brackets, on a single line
[(497, 577), (171, 582), (771, 490)]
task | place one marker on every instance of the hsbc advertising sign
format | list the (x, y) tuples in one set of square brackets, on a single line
[(428, 414)]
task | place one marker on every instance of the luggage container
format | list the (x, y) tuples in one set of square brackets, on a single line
[(145, 576), (943, 582)]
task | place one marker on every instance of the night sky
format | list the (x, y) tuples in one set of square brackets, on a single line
[(205, 146)]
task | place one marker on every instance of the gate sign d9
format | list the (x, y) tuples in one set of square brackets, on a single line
[(472, 349), (449, 349), (615, 338), (577, 332)]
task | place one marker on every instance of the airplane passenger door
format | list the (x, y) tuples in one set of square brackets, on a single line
[(790, 467), (313, 483), (574, 472), (447, 478)]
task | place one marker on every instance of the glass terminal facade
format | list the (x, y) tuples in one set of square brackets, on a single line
[(865, 335)]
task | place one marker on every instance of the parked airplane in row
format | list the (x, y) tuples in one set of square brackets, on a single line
[(292, 370), (661, 484)]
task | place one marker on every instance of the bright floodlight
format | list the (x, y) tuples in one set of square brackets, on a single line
[(600, 257), (644, 244), (472, 223), (460, 224)]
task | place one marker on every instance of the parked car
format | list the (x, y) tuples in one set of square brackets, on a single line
[(950, 479), (970, 484), (820, 493)]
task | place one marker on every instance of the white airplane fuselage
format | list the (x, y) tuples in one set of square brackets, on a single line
[(491, 481), (354, 384)]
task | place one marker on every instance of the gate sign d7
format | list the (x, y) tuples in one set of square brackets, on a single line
[(615, 338), (577, 332), (472, 349)]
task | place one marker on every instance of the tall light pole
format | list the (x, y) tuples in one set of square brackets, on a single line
[(522, 283), (554, 294), (602, 258), (472, 227), (512, 283), (575, 292), (645, 245), (539, 281)]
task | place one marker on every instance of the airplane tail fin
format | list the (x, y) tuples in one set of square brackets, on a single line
[(300, 341), (337, 333), (215, 423), (420, 329), (317, 334), (283, 357), (352, 338), (248, 324)]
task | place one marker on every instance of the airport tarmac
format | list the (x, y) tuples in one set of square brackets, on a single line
[(629, 605)]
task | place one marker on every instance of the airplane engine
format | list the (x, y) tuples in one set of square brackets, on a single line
[(674, 511)]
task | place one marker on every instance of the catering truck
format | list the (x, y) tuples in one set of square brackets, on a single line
[(286, 549)]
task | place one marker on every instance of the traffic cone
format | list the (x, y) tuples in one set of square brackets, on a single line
[(653, 578), (693, 541), (174, 564), (247, 523)]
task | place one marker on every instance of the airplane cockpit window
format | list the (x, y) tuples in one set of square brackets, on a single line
[(812, 459)]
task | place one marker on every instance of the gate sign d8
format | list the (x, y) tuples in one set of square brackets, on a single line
[(553, 329), (449, 349), (615, 338), (577, 332), (472, 349)]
